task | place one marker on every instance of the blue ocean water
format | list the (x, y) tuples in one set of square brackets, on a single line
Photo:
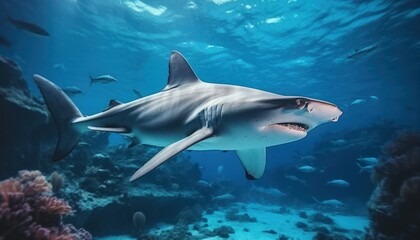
[(289, 47)]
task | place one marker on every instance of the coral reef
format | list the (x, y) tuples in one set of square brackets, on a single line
[(29, 211), (394, 205)]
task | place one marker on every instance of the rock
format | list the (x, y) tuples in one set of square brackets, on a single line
[(196, 227), (94, 209), (11, 76), (302, 225), (322, 230), (223, 231), (174, 186), (89, 184), (179, 231), (190, 215), (284, 210), (271, 231), (283, 237), (23, 121), (233, 215), (303, 215), (321, 218), (326, 236)]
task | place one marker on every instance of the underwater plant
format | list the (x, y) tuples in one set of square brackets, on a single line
[(139, 221), (57, 181), (28, 210)]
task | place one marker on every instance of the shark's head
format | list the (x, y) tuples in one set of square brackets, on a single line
[(275, 119), (290, 118)]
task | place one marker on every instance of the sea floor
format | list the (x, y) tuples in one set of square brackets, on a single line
[(272, 222)]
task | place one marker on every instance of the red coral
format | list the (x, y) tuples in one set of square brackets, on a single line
[(7, 187), (53, 205), (34, 182), (29, 211)]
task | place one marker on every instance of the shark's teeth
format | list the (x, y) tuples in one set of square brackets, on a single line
[(296, 126)]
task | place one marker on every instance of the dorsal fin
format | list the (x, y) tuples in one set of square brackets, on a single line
[(112, 103), (180, 72)]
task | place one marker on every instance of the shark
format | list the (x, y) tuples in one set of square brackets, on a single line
[(193, 114)]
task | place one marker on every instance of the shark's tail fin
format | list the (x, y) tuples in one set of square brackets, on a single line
[(63, 112), (92, 80)]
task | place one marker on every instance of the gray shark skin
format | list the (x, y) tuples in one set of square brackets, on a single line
[(191, 114)]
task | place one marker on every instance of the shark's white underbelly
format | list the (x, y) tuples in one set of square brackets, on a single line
[(237, 140)]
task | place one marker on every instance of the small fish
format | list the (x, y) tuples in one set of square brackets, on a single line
[(102, 79), (358, 53), (204, 184), (5, 42), (368, 160), (274, 192), (220, 170), (308, 158), (357, 102), (137, 93), (367, 168), (331, 203), (59, 66), (100, 156), (338, 183), (81, 143), (72, 91), (29, 27), (306, 169), (339, 142), (224, 197), (374, 98), (294, 179)]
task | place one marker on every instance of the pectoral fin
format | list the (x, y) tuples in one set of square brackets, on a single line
[(171, 150), (253, 161), (110, 129)]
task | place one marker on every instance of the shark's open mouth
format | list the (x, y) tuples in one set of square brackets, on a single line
[(295, 126)]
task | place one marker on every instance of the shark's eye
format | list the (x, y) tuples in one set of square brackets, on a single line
[(301, 103)]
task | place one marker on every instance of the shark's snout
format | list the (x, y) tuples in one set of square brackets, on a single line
[(337, 115), (323, 111)]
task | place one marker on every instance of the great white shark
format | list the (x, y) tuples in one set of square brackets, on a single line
[(191, 114)]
